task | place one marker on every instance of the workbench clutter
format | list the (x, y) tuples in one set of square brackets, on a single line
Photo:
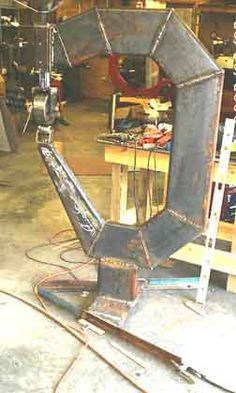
[(156, 136), (148, 136), (131, 112)]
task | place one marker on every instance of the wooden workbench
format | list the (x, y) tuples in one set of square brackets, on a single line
[(122, 158)]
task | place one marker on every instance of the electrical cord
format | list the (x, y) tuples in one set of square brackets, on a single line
[(136, 203), (155, 181), (64, 259), (37, 260), (28, 253), (59, 233), (148, 188), (70, 368)]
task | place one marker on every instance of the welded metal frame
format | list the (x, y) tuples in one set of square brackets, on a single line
[(162, 36)]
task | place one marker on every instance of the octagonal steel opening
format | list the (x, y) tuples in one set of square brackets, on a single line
[(162, 36)]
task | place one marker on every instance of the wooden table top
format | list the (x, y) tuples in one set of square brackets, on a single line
[(157, 160)]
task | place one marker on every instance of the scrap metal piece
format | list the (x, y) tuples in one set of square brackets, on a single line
[(183, 368), (171, 283), (138, 342), (112, 310), (164, 37), (70, 285), (59, 301)]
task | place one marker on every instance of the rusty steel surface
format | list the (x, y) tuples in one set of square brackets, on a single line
[(111, 309), (162, 36), (117, 279), (70, 285), (127, 336)]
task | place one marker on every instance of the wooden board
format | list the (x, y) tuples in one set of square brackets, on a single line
[(119, 191), (225, 231), (158, 161), (193, 253), (125, 156)]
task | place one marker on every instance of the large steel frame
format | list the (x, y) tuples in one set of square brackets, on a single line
[(162, 36)]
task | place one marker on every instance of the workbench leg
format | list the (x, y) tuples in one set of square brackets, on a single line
[(231, 281), (145, 193), (119, 190)]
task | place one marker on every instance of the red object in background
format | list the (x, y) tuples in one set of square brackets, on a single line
[(155, 139), (58, 83), (123, 87), (164, 139)]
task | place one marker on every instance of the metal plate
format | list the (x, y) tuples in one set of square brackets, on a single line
[(117, 279), (113, 22), (195, 126), (122, 242), (82, 214), (81, 38), (181, 54)]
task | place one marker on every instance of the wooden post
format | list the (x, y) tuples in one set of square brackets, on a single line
[(119, 192), (145, 193)]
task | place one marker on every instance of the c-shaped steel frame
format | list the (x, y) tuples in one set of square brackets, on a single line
[(162, 36)]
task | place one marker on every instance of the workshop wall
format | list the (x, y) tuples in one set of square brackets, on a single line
[(221, 23), (94, 79), (72, 7), (67, 9)]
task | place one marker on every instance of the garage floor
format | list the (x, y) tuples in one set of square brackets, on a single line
[(35, 352)]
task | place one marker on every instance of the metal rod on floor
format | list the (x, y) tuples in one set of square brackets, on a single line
[(79, 337)]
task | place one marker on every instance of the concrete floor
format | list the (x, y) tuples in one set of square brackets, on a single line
[(35, 351)]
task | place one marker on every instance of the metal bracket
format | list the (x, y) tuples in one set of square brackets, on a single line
[(44, 134)]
